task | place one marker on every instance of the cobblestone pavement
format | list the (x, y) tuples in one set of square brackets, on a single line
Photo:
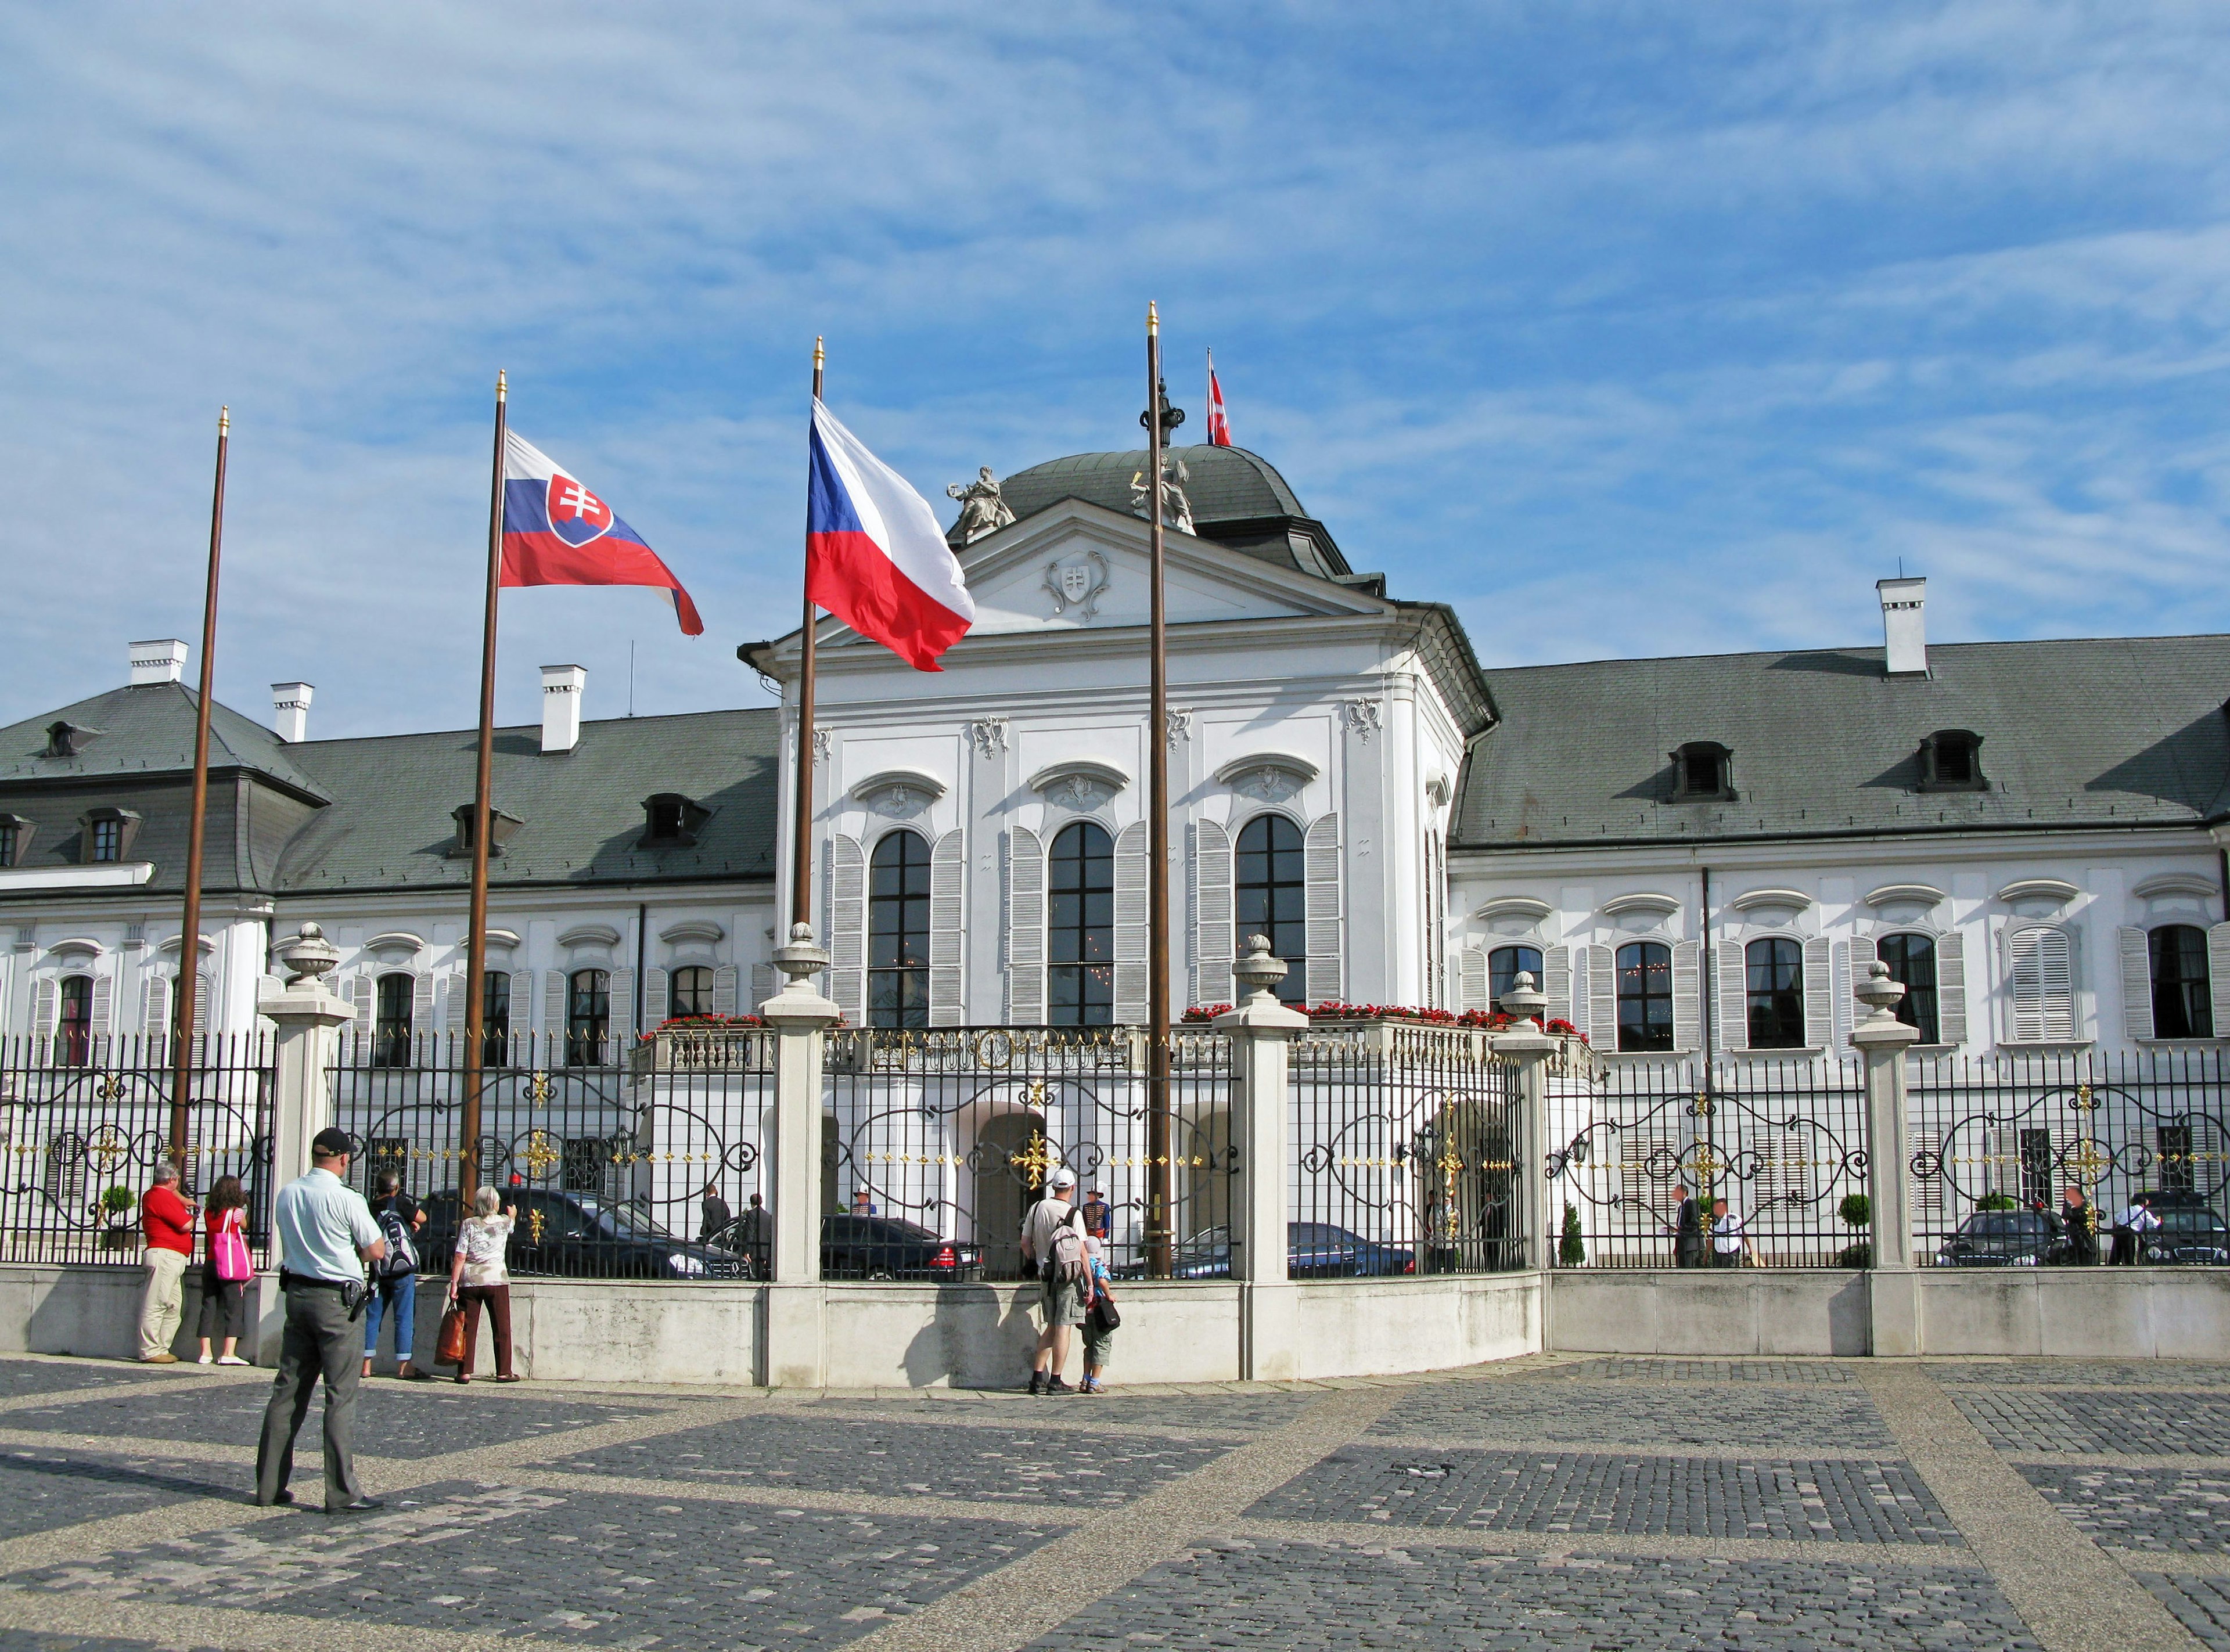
[(1546, 1503)]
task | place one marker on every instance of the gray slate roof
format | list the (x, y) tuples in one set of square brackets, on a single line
[(2112, 732), (146, 729), (1227, 484), (390, 825)]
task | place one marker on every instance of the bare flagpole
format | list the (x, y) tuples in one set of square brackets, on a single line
[(801, 847), (189, 930), (469, 1167), (1158, 1180)]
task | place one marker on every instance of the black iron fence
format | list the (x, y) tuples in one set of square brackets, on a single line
[(1639, 1164), (1405, 1143), (1998, 1147), (84, 1120), (646, 1170), (937, 1142)]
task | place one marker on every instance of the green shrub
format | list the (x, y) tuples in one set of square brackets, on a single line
[(1856, 1209), (1860, 1255), (1571, 1247), (1997, 1202), (118, 1198)]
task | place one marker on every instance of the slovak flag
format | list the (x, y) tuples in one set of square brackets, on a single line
[(1219, 427), (556, 532), (874, 556)]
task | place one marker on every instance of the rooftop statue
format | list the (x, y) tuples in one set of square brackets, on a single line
[(1176, 510), (983, 509)]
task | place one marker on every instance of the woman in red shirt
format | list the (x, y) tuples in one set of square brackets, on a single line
[(226, 1272)]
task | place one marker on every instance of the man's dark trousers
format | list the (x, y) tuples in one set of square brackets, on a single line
[(323, 1338)]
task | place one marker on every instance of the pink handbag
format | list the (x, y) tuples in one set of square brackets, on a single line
[(228, 1252)]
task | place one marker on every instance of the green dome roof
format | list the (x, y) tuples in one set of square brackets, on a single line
[(1227, 484)]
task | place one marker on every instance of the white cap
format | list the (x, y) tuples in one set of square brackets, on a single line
[(1062, 1177)]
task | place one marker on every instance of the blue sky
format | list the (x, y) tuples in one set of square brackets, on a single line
[(1628, 329)]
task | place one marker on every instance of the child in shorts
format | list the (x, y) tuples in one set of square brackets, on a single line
[(1098, 1339)]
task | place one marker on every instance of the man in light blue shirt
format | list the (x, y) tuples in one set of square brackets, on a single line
[(325, 1236)]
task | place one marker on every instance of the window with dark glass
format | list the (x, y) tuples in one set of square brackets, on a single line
[(2183, 1005), (1702, 768), (2172, 1143), (1951, 761), (664, 817), (689, 991), (897, 932), (1775, 972), (1505, 965), (391, 1026), (495, 1018), (1081, 928), (9, 830), (1645, 996), (107, 839), (1911, 960), (1272, 890), (2036, 1169), (73, 1032), (588, 1017)]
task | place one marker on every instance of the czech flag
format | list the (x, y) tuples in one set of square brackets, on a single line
[(1219, 427), (556, 532), (874, 556)]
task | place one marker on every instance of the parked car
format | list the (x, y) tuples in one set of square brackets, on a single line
[(578, 1236), (866, 1247), (1313, 1251), (2005, 1239), (2188, 1233)]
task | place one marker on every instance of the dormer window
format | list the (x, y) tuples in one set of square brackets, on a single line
[(1701, 769), (106, 836), (15, 839), (1951, 760), (68, 739), (671, 821), (501, 826)]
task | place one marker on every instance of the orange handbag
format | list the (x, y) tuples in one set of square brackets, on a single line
[(450, 1349)]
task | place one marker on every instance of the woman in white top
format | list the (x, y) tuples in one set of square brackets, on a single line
[(477, 1275)]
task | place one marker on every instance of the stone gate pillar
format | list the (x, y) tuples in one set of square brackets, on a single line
[(1261, 1030), (794, 1332), (1893, 1286)]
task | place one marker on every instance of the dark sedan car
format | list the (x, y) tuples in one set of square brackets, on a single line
[(1313, 1251), (862, 1247), (578, 1236), (2188, 1233), (2005, 1239)]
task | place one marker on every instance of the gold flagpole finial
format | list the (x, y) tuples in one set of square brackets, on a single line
[(501, 385), (820, 355), (223, 420), (1153, 318)]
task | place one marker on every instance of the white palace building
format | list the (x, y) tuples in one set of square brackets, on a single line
[(1685, 851)]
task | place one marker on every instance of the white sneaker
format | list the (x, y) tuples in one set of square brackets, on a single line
[(204, 1360), (230, 1360)]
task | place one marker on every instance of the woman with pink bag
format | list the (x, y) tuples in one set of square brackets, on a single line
[(226, 1273)]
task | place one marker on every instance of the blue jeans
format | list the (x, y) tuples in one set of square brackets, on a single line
[(400, 1293)]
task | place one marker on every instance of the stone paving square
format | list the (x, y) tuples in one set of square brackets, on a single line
[(909, 1459), (25, 1640), (597, 1567), (2201, 1604), (1655, 1369), (2157, 1510), (1334, 1596), (20, 1377), (393, 1419), (44, 1490), (1236, 1414), (1600, 1495), (2083, 1373), (1683, 1414), (2137, 1424)]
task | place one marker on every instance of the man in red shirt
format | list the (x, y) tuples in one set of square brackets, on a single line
[(166, 1221)]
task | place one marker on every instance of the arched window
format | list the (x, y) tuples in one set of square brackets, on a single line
[(495, 1018), (1645, 996), (390, 1030), (2041, 966), (1272, 888), (1505, 965), (689, 991), (74, 1031), (1775, 972), (2183, 1005), (897, 932), (588, 1017), (1081, 927), (1911, 960)]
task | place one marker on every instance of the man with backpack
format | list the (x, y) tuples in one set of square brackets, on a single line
[(394, 1277), (1053, 1243)]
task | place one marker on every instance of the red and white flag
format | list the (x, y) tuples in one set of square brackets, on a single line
[(1219, 426)]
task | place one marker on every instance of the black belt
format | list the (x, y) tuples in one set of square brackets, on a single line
[(292, 1282)]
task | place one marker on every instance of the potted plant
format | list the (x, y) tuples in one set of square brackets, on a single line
[(1857, 1212), (116, 1207), (1571, 1247)]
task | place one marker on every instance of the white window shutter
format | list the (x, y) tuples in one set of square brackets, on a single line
[(553, 1003), (1557, 983), (104, 1005), (2042, 976), (1734, 995), (1951, 987), (623, 1002), (1026, 937), (847, 886), (1320, 865), (1470, 972), (2136, 984), (1215, 943), (45, 1006), (421, 1003), (201, 1004), (656, 999), (1819, 993), (1130, 910), (1844, 1003), (2218, 976), (155, 1021), (724, 980), (1687, 995), (1603, 998), (453, 1020), (948, 935)]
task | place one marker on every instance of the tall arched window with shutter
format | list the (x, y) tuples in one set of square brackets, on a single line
[(2041, 981), (1775, 998), (1271, 884), (897, 932), (74, 1028), (390, 1031), (588, 1017), (2183, 1004), (1505, 965), (1645, 996), (1081, 927), (689, 991), (1911, 960)]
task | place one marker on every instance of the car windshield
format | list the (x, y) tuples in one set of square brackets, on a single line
[(1210, 1239), (1318, 1236), (619, 1221)]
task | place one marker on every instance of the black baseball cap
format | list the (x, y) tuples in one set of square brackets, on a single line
[(331, 1143)]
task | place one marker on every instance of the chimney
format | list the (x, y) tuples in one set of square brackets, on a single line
[(161, 661), (290, 711), (561, 706), (1904, 626)]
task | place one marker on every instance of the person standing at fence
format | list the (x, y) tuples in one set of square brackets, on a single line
[(1730, 1246), (2079, 1219), (225, 1272), (327, 1237), (395, 1282), (755, 1235), (1100, 1319), (166, 1228), (478, 1277), (716, 1214), (1098, 1216), (1052, 1244), (2130, 1230), (1688, 1231)]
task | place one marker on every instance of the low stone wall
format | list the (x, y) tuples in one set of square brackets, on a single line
[(92, 1310), (2124, 1312), (1708, 1311)]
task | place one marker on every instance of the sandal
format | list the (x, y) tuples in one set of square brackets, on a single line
[(506, 1376)]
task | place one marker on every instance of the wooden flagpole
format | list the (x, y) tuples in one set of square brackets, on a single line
[(468, 1167), (1158, 1180), (189, 930), (801, 847)]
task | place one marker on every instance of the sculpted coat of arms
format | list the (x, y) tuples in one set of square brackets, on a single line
[(1077, 583)]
